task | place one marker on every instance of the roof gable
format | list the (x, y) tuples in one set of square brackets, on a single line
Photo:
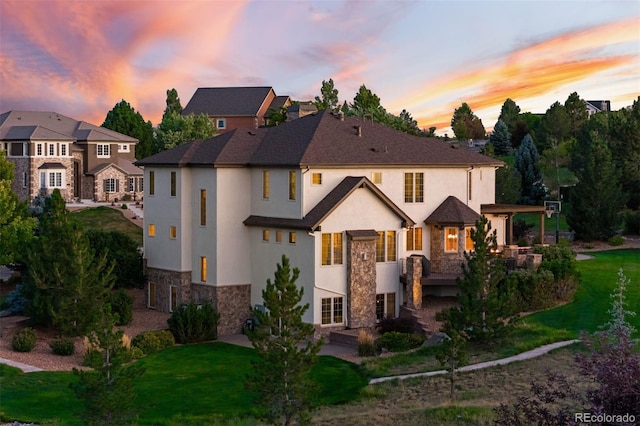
[(227, 101), (452, 211)]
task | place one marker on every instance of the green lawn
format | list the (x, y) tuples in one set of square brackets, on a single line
[(108, 219), (589, 309), (549, 223), (202, 382)]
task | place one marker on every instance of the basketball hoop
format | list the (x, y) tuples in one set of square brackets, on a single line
[(549, 213)]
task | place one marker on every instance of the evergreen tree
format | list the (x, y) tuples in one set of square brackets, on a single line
[(481, 306), (509, 114), (367, 104), (597, 199), (465, 124), (526, 162), (66, 286), (452, 355), (624, 143), (177, 129), (577, 113), (508, 183), (554, 125), (122, 251), (108, 390), (173, 103), (328, 98), (285, 348), (501, 139), (124, 119), (16, 227)]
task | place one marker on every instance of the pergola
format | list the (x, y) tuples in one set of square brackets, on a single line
[(510, 210)]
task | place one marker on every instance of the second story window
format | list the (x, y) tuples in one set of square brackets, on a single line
[(203, 207), (174, 179), (386, 246), (266, 189), (39, 149), (316, 178), (292, 185), (376, 177), (63, 149), (102, 150), (413, 187), (221, 123), (152, 183)]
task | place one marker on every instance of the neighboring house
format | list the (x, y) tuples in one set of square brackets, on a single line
[(597, 106), (367, 213), (235, 107), (51, 151)]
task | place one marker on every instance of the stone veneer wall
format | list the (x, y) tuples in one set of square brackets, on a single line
[(67, 162), (361, 282), (88, 185), (231, 302), (414, 286), (20, 166), (163, 280), (441, 261), (110, 173)]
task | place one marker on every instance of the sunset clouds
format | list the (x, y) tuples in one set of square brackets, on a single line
[(80, 58)]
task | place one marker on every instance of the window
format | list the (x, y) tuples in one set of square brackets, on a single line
[(123, 148), (110, 185), (278, 236), (152, 295), (468, 242), (203, 207), (39, 149), (265, 184), (102, 150), (52, 149), (51, 179), (43, 179), (316, 178), (173, 184), (385, 306), (221, 123), (17, 149), (292, 185), (331, 312), (173, 299), (152, 183), (172, 232), (414, 187), (63, 149), (203, 269), (332, 249), (376, 177), (451, 239), (380, 247), (265, 235), (25, 179), (386, 246), (131, 184), (152, 230), (292, 237), (469, 182), (414, 239)]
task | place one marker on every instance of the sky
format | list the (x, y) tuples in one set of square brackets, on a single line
[(80, 58)]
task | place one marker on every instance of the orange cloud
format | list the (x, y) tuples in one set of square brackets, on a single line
[(529, 72)]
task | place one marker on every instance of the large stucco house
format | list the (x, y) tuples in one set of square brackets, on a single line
[(364, 211), (51, 151)]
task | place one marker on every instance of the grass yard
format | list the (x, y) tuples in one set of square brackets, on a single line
[(108, 219), (549, 223), (589, 309), (191, 383)]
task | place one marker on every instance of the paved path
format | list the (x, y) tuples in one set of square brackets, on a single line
[(24, 367), (520, 357)]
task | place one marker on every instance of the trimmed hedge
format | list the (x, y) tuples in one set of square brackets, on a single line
[(153, 341)]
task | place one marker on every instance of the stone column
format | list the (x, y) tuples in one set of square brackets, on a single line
[(361, 278), (414, 286)]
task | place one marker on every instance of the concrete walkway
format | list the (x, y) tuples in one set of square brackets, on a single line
[(520, 357), (24, 367)]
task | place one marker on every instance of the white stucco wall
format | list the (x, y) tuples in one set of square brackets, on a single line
[(203, 237), (278, 204)]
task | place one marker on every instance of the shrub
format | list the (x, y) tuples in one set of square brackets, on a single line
[(62, 346), (400, 325), (126, 197), (632, 222), (135, 353), (153, 341), (616, 240), (366, 344), (399, 342), (530, 290), (123, 207), (24, 340), (523, 242), (122, 304), (16, 301), (194, 323)]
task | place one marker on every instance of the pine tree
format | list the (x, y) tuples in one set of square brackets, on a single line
[(501, 139), (526, 162), (107, 391), (124, 119), (328, 98), (287, 352), (481, 308), (597, 199)]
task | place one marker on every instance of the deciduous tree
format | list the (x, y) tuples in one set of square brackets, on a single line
[(286, 350), (124, 119), (177, 129), (328, 98), (465, 124)]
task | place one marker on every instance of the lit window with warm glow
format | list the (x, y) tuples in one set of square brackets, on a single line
[(468, 242), (451, 239)]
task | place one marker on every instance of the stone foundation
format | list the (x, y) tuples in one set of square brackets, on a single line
[(164, 279), (231, 302)]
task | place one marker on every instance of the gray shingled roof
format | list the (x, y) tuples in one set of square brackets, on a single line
[(278, 101), (327, 205), (452, 211), (227, 101), (45, 125), (231, 149)]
